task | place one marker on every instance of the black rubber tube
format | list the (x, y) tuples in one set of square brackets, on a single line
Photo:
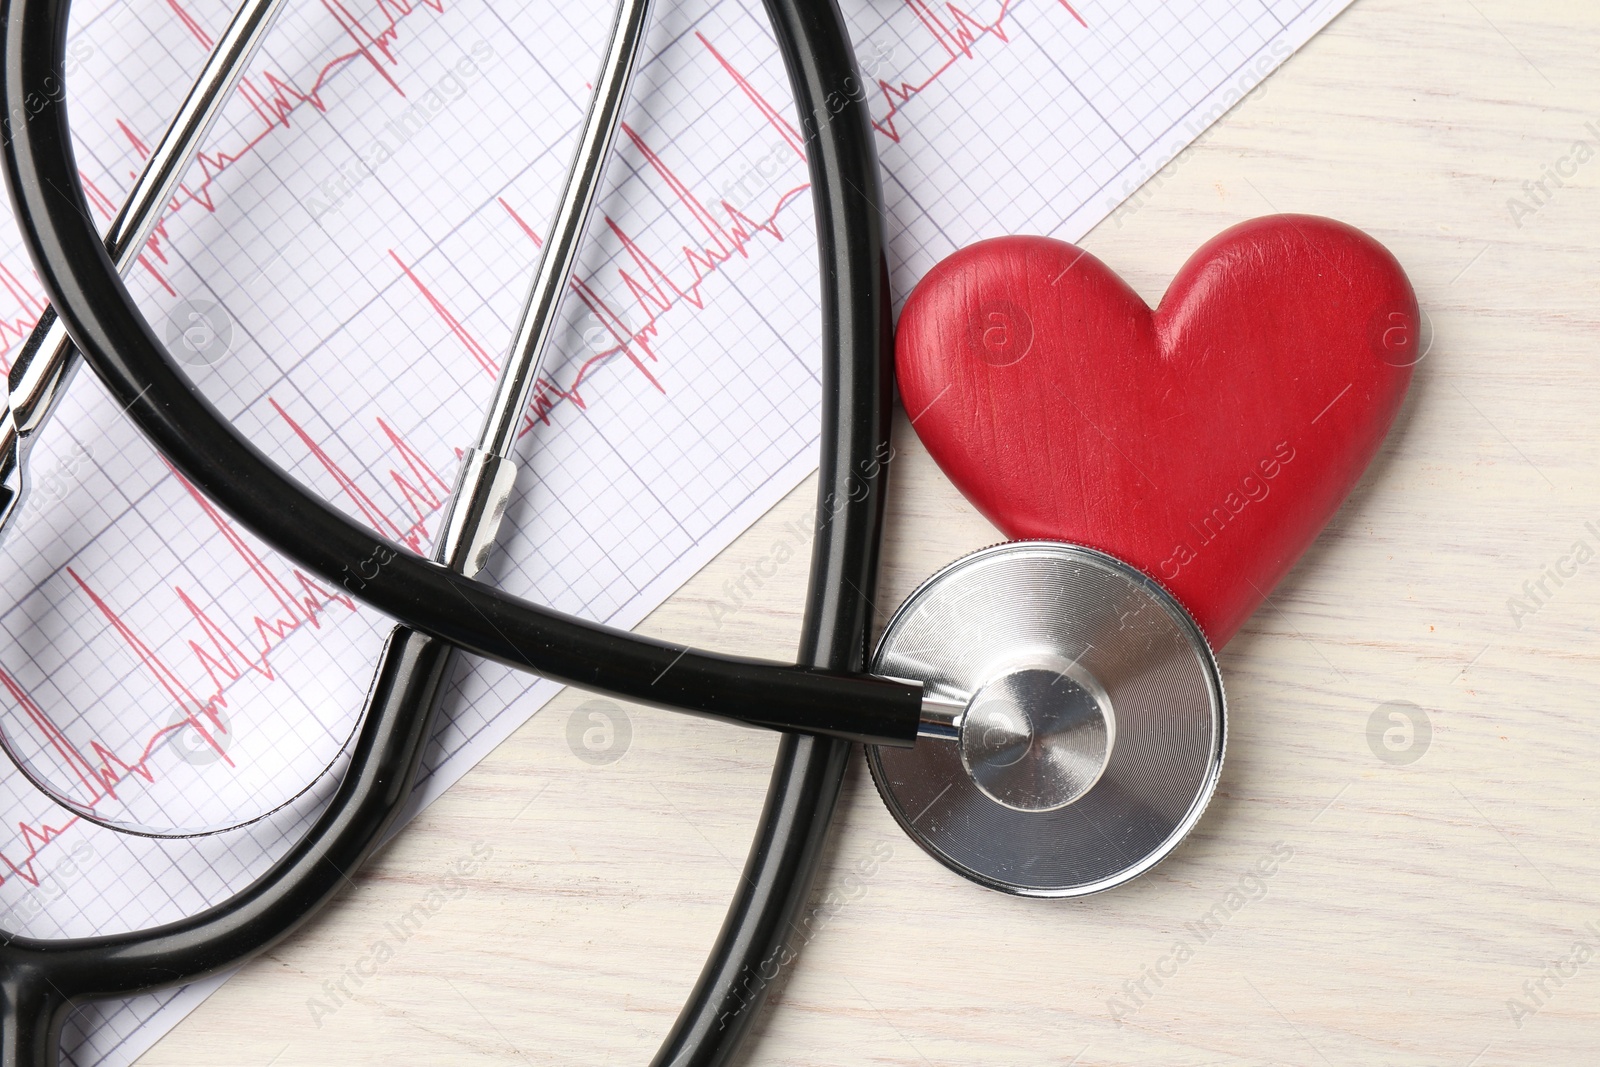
[(755, 941), (54, 219)]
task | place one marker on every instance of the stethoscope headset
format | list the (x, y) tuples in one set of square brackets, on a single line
[(1070, 710)]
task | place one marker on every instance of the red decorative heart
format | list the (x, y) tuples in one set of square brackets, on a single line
[(1206, 442)]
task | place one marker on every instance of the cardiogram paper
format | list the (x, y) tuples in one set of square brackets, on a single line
[(361, 227)]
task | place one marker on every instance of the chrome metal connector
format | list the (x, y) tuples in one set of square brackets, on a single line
[(477, 505), (942, 715)]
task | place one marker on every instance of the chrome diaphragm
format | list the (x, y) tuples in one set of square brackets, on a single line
[(1084, 719)]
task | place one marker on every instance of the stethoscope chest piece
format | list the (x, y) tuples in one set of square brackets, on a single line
[(1086, 719)]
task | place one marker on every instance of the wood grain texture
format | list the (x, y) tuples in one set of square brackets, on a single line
[(1206, 442), (1419, 897)]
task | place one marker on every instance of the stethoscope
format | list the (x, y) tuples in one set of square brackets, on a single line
[(1040, 717)]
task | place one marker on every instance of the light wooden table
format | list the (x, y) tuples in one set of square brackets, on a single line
[(1418, 899)]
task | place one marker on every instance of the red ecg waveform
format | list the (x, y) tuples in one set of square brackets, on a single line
[(273, 98), (297, 602), (957, 34), (652, 290)]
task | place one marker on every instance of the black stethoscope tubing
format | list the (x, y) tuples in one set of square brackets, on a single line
[(826, 693), (119, 344)]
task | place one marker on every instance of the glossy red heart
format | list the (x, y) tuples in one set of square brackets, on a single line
[(1206, 442)]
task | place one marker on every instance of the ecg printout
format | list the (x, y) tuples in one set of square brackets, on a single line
[(367, 297)]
